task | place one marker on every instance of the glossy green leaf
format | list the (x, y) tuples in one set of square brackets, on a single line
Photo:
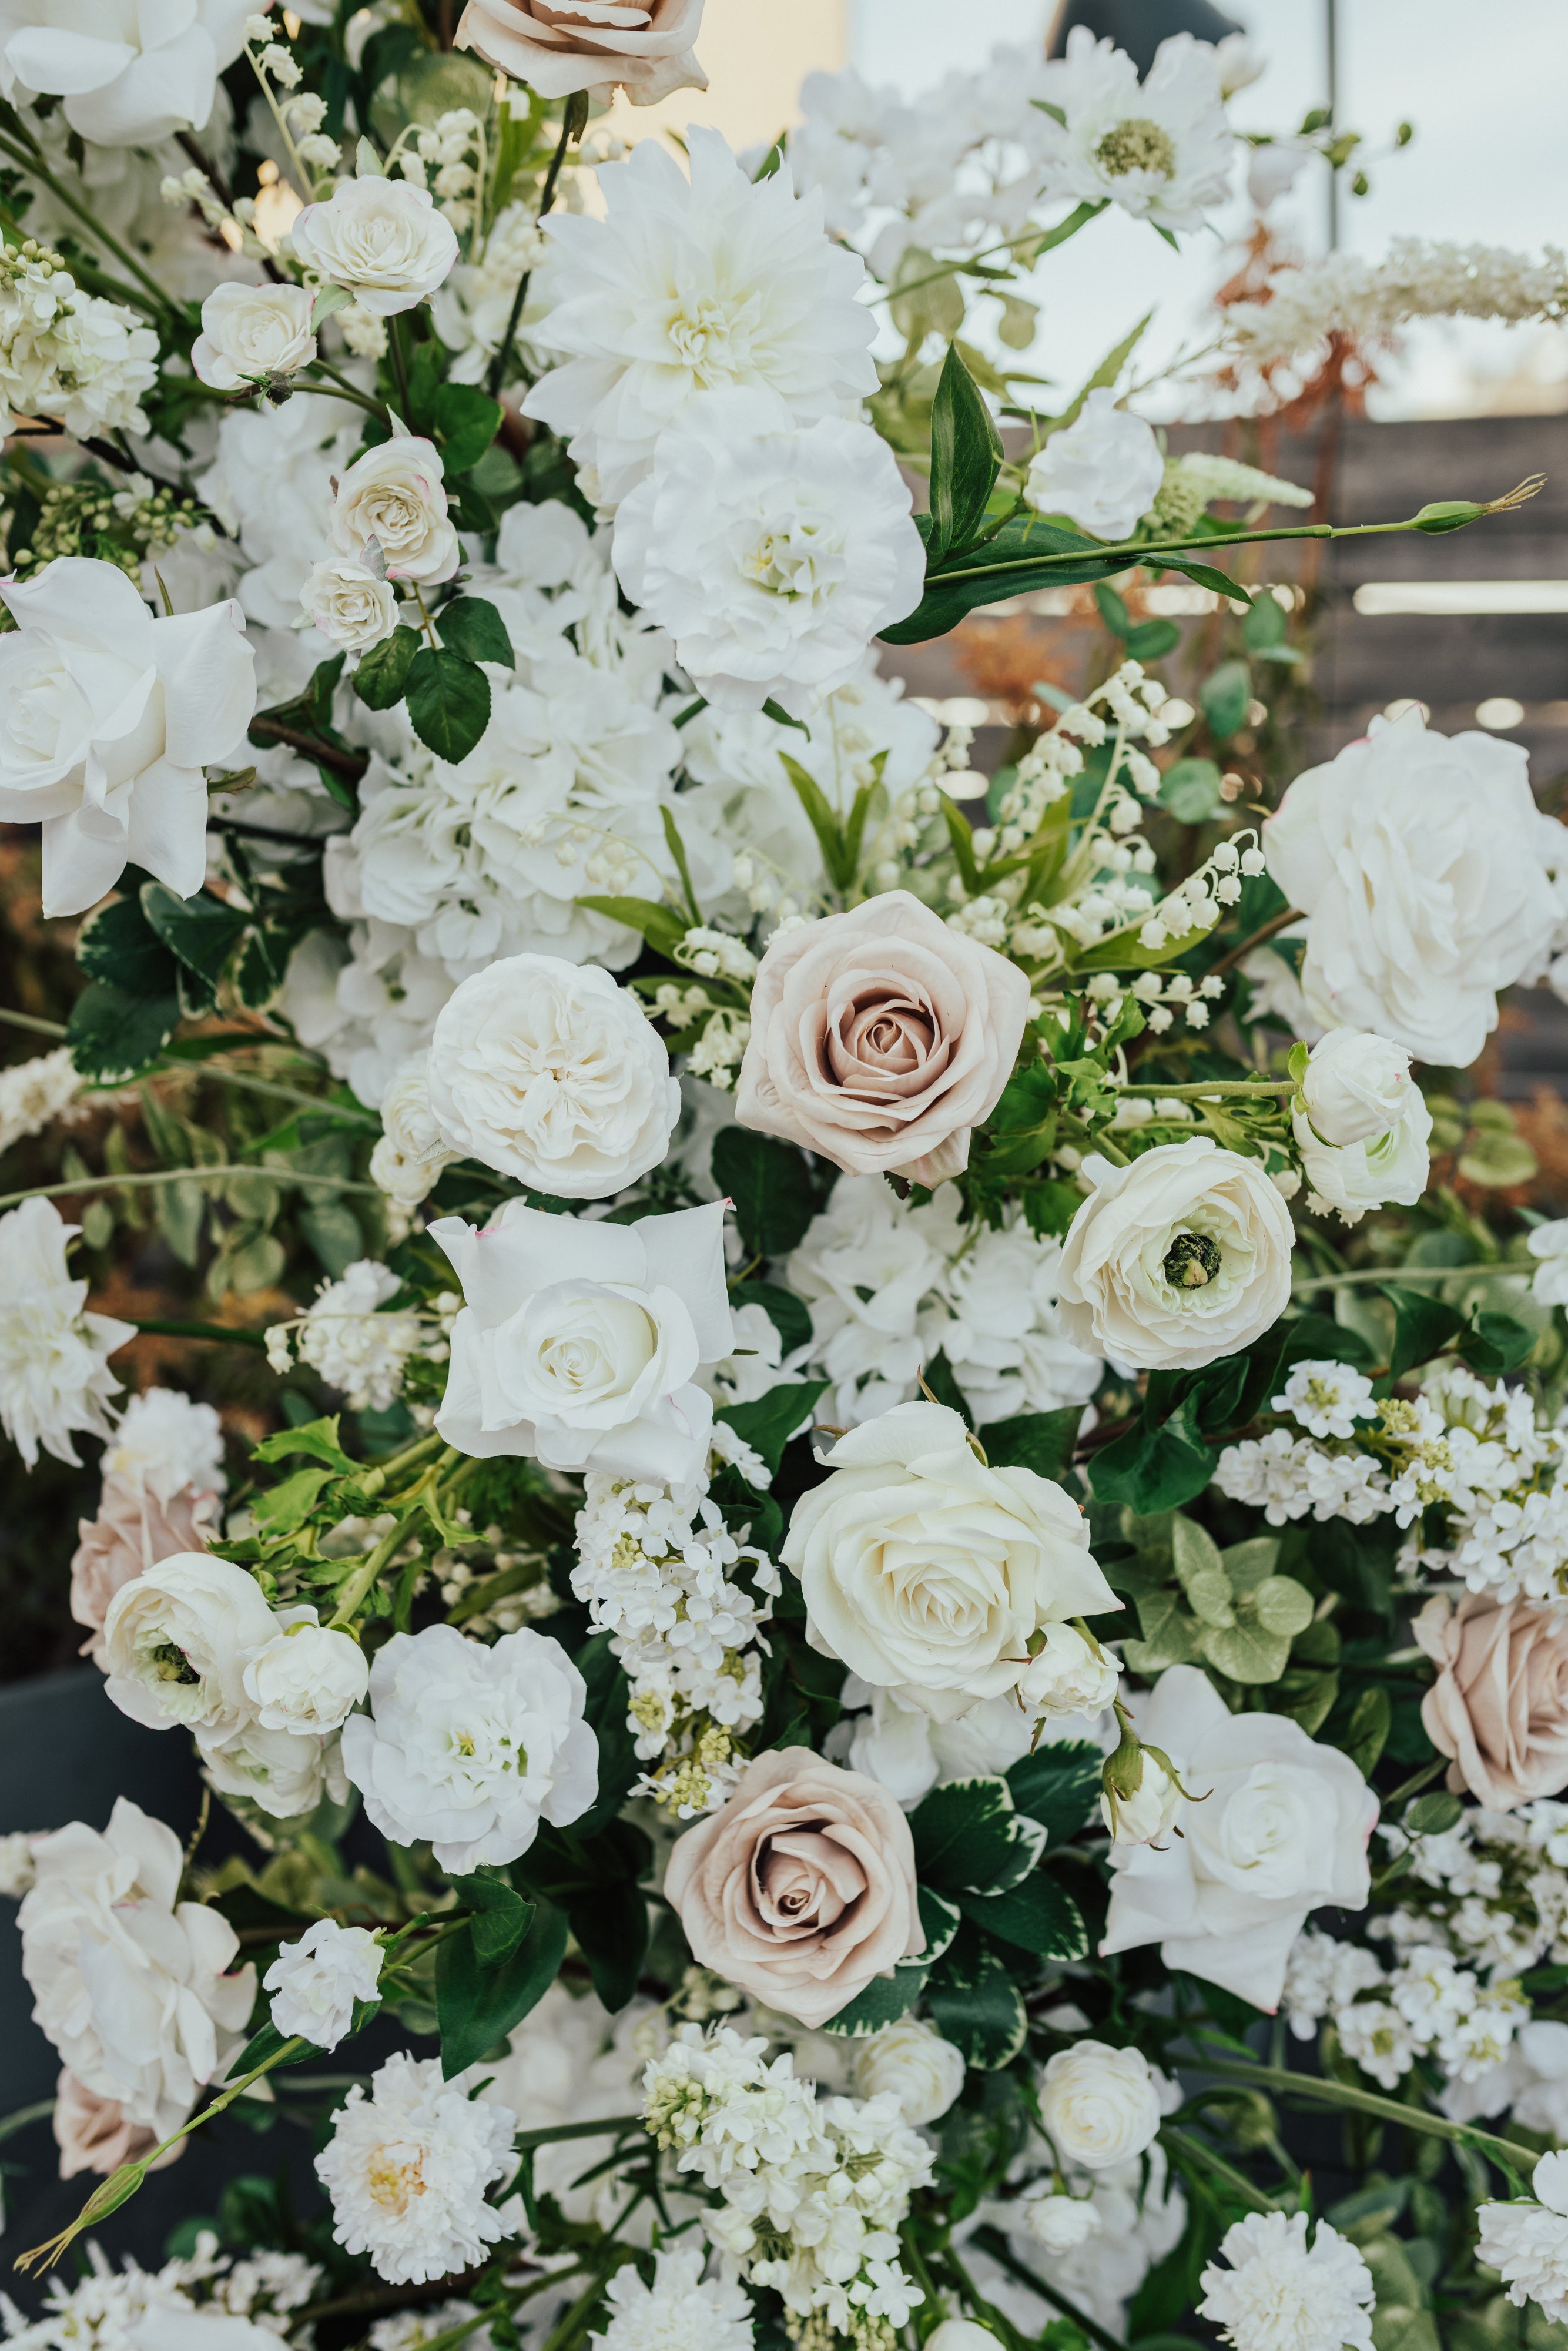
[(1040, 1441), (114, 1036), (467, 422), (974, 2003), (965, 458), (117, 944), (1059, 1786), (448, 703), (1036, 1915), (770, 1186), (477, 2004), (382, 673), (470, 625)]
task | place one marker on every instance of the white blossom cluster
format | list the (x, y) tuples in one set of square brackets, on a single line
[(109, 2307), (814, 2189), (1344, 293), (345, 1337), (658, 1572), (1428, 2005), (67, 355), (33, 1094), (1494, 1887)]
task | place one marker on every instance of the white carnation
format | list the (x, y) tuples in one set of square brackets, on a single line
[(54, 1378), (164, 1443), (315, 1981), (407, 2170), (1279, 2296), (678, 2312)]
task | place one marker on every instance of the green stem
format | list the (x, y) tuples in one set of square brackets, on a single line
[(39, 172), (30, 1022), (1151, 555), (364, 1575), (397, 350), (1502, 2151), (342, 391), (612, 2126), (375, 1481), (1195, 2149), (1415, 1782), (219, 1332), (1215, 1087), (1408, 1273), (23, 2116), (1043, 242), (283, 1177), (514, 318)]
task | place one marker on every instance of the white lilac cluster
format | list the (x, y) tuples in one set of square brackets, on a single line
[(346, 1337), (107, 2307), (1347, 294), (1426, 2005), (1493, 1888), (888, 1286), (67, 355), (659, 1573), (813, 2188)]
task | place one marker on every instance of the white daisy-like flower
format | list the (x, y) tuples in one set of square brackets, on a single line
[(1160, 148), (1327, 1399), (408, 2168), (678, 2312), (1280, 2295)]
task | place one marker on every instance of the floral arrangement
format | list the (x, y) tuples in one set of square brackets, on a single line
[(890, 1442)]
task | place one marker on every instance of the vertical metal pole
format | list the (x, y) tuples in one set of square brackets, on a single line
[(1331, 28)]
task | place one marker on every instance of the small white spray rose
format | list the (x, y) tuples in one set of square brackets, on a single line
[(910, 2058), (381, 240), (1101, 2105), (411, 1153), (1390, 1169), (350, 606), (1060, 2223), (1103, 472), (176, 1640), (1357, 1085), (250, 333), (396, 495), (315, 1981), (1149, 1813), (1068, 1675), (307, 1678)]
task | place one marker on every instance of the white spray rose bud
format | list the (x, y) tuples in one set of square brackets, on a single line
[(316, 1981), (1148, 1811), (924, 2071), (252, 332), (411, 1153), (349, 604), (1356, 1085), (308, 1679), (1099, 2104), (1060, 2223), (1068, 1676)]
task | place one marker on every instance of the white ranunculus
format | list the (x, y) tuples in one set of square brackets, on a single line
[(283, 1775), (472, 1747), (1060, 2223), (1101, 2105), (1068, 1676), (1103, 472), (686, 285), (411, 1153), (54, 1378), (1418, 858), (396, 495), (315, 1982), (108, 718), (549, 1072), (381, 240), (1357, 1086), (175, 1641), (307, 1678), (772, 551), (1391, 1170), (351, 607), (926, 1571), (129, 1982), (579, 1341), (129, 72), (250, 333), (1182, 1255), (1280, 1830), (924, 2071)]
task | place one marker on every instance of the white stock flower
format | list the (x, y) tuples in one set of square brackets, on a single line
[(1068, 1675), (1103, 472), (678, 2312), (1280, 1830), (108, 718), (686, 285), (1390, 1170), (579, 1340), (410, 1154), (1101, 2105), (127, 1981), (1277, 2296), (175, 1641), (549, 1072), (1159, 147), (407, 2170), (926, 1572), (1357, 1086), (1418, 857), (1547, 1244), (772, 551), (137, 75), (351, 607), (396, 495), (1179, 1258), (381, 239), (316, 1980), (354, 1346), (307, 1678), (164, 1443), (54, 1378), (910, 2058), (250, 333), (471, 1746)]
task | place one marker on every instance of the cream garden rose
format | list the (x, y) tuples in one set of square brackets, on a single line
[(561, 46), (410, 1151), (927, 1572), (1101, 2105), (382, 240), (307, 1678), (251, 333), (395, 494), (351, 607), (1357, 1086), (1181, 1256)]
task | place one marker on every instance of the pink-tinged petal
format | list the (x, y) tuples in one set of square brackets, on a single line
[(80, 867), (167, 833), (208, 671)]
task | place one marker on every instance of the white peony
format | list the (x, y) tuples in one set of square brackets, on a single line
[(1282, 1828), (685, 286), (471, 1746), (1279, 2296), (1390, 1169), (396, 495), (926, 1571), (54, 1378), (1418, 858), (549, 1072), (315, 1981), (1357, 1086), (164, 1443), (680, 2311), (579, 1340), (410, 1154), (773, 552), (129, 73), (1068, 1675), (129, 1982), (407, 2170), (350, 606), (307, 1678), (175, 1641), (251, 333), (108, 718), (1527, 2243), (1103, 472), (910, 2058), (1160, 147), (1179, 1258), (381, 239), (1101, 2105)]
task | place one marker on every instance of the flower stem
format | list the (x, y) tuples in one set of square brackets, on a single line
[(39, 171), (992, 2242), (280, 1176), (1407, 1273), (1502, 2151), (1213, 1089), (570, 124)]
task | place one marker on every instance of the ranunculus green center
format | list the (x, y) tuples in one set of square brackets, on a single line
[(1192, 1261)]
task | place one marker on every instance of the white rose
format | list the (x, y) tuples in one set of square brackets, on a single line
[(176, 1640), (250, 333), (396, 495), (138, 75), (1069, 1675), (315, 1981), (1392, 1170), (284, 1774), (349, 604), (1179, 1258), (1101, 2105), (1150, 1812), (382, 239), (1357, 1086), (307, 1678), (926, 1572), (579, 1341), (900, 1746), (910, 2059), (1419, 859), (961, 2335), (1103, 472), (1060, 2223), (108, 718), (127, 1981), (549, 1072), (1280, 1831), (410, 1154)]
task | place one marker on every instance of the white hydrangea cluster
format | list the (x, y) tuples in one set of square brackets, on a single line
[(813, 2188), (107, 2307), (68, 355), (1285, 1477), (659, 1574), (1427, 2004), (888, 1286), (344, 1336)]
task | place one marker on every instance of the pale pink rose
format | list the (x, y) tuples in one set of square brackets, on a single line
[(133, 1531), (802, 1888), (1499, 1704), (93, 2134), (561, 46), (881, 1039)]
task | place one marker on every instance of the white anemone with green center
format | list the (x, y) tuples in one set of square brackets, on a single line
[(1160, 149)]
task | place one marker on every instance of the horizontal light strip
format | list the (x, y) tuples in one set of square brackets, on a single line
[(1437, 597)]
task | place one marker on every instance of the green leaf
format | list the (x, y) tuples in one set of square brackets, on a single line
[(114, 1036), (942, 1381), (448, 703), (117, 944), (776, 712), (316, 1438), (884, 2000), (971, 1839), (471, 626), (610, 1924), (677, 849), (1205, 575), (965, 458), (266, 2043), (1040, 1441), (662, 929), (1036, 1915), (285, 1508), (605, 1715), (382, 673), (1422, 1327), (1001, 569), (1058, 1786), (1225, 693), (941, 1920), (1366, 1733), (202, 931), (770, 1186), (1112, 611), (975, 2004), (790, 1315), (1246, 1653), (1282, 1605), (823, 822), (477, 2005), (768, 1423), (1264, 625), (1152, 640), (467, 422), (1153, 1469), (1190, 790), (1497, 1342), (502, 1918), (1433, 1814)]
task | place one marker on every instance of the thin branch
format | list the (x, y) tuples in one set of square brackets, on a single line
[(1408, 1273), (282, 1176), (546, 198), (1261, 937), (349, 765)]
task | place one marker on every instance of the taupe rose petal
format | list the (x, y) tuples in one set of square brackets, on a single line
[(1499, 1707), (590, 45), (133, 1531)]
